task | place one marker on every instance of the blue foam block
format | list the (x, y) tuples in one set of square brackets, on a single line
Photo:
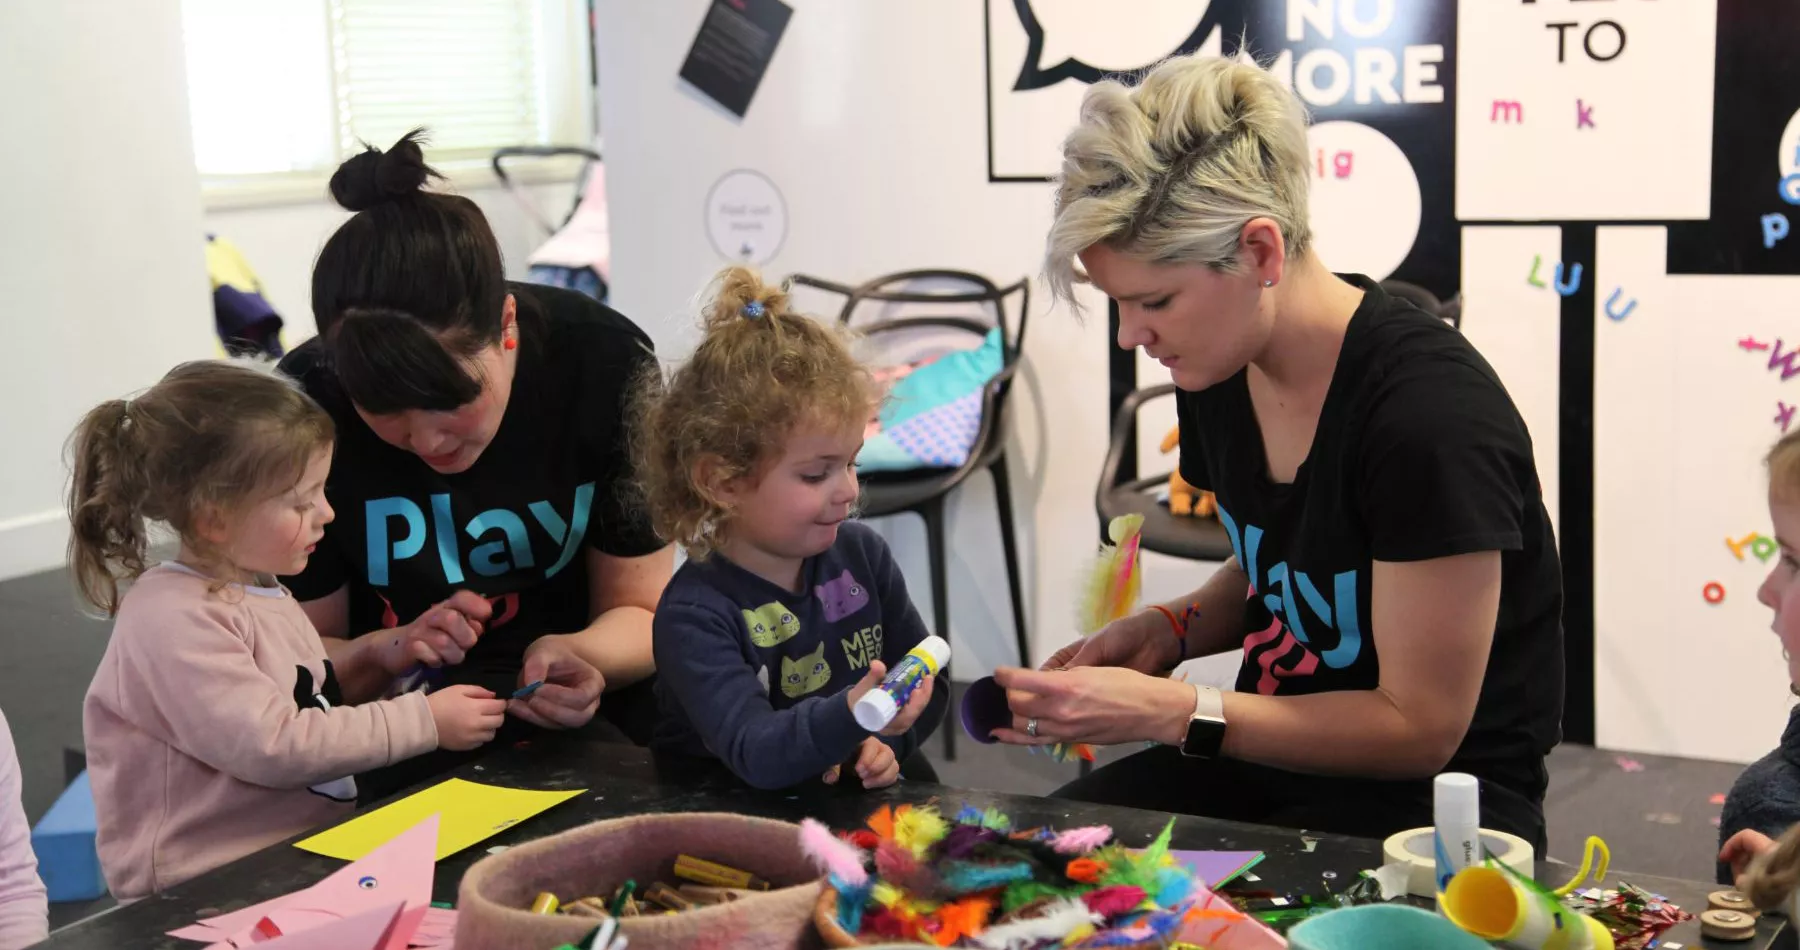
[(64, 842)]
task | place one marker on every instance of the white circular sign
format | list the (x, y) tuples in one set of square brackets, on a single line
[(746, 217), (1787, 160), (1365, 199)]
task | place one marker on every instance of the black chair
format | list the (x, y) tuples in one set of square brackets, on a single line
[(1194, 538), (923, 491)]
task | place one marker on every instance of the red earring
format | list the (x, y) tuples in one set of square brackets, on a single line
[(510, 343)]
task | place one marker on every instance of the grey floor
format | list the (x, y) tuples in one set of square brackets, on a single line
[(1657, 814)]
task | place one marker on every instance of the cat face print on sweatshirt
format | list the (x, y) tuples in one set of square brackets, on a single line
[(771, 624), (808, 674), (841, 597)]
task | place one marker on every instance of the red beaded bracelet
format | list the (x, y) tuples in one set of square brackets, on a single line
[(1174, 625)]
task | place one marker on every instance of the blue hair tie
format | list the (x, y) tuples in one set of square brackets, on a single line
[(754, 309)]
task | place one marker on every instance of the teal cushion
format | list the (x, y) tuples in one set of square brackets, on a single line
[(932, 415)]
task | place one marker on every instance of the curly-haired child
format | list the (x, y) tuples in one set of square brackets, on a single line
[(786, 612)]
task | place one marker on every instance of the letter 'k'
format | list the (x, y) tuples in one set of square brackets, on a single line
[(1584, 115)]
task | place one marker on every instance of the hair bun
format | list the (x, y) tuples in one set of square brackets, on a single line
[(372, 176)]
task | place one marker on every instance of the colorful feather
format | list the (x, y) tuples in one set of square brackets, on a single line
[(963, 878), (1111, 584), (833, 855), (882, 822), (919, 828), (962, 841), (1115, 901), (1083, 840), (1053, 926)]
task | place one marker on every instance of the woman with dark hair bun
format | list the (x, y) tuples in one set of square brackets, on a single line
[(485, 533)]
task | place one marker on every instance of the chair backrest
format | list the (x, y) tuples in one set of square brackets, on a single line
[(1450, 311), (923, 303)]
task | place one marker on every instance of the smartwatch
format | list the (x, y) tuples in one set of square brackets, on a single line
[(1206, 728)]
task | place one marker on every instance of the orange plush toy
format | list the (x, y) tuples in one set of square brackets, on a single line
[(1185, 499)]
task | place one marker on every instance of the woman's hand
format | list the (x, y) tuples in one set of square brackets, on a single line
[(571, 691), (1741, 848), (1099, 705), (441, 636), (1142, 642)]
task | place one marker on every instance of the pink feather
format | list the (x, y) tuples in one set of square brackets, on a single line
[(1082, 840), (833, 855)]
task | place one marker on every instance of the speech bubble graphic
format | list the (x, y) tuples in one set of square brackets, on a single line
[(1080, 39)]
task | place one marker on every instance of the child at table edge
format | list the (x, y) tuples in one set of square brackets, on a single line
[(1765, 799), (214, 723), (785, 613)]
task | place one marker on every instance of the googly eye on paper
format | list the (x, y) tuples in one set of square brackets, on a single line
[(368, 883)]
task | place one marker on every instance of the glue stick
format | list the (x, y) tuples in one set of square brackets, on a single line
[(1456, 825), (879, 706)]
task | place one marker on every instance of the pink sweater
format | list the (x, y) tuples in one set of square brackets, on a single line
[(24, 914), (210, 715)]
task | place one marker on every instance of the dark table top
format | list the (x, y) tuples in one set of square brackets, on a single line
[(622, 781)]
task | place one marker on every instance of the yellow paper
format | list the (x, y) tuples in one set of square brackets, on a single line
[(467, 812)]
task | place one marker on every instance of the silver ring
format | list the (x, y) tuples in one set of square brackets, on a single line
[(1031, 727)]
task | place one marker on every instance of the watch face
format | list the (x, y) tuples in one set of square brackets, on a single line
[(1204, 737)]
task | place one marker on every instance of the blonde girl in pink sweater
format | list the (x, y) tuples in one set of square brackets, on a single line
[(214, 724)]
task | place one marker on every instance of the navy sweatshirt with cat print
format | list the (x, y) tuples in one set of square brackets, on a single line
[(755, 675)]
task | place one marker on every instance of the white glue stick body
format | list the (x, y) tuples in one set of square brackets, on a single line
[(879, 706), (1456, 824)]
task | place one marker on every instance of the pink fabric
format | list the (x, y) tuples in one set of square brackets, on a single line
[(24, 912), (199, 747)]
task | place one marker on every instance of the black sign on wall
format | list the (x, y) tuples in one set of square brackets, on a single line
[(733, 49)]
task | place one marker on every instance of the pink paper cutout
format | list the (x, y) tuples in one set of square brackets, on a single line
[(370, 930), (400, 870)]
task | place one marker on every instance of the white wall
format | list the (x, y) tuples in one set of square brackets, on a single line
[(1682, 417), (281, 240), (100, 238), (871, 123)]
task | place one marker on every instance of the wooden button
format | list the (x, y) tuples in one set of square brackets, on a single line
[(1731, 900), (1727, 925)]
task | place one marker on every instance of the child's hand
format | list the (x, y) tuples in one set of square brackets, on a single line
[(440, 636), (875, 765), (466, 716), (1741, 848), (871, 679), (909, 713)]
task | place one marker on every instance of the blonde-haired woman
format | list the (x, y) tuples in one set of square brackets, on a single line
[(1395, 588)]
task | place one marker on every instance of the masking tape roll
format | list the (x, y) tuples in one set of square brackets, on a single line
[(1413, 848)]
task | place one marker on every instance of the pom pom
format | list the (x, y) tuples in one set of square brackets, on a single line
[(832, 855), (1113, 901), (920, 828), (1086, 870), (1173, 886), (1056, 923), (1082, 840), (961, 878)]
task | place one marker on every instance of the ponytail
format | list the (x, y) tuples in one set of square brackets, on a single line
[(108, 537)]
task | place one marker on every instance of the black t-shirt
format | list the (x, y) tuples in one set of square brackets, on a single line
[(514, 526), (1419, 454)]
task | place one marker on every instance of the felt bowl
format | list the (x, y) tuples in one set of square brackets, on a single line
[(496, 894)]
